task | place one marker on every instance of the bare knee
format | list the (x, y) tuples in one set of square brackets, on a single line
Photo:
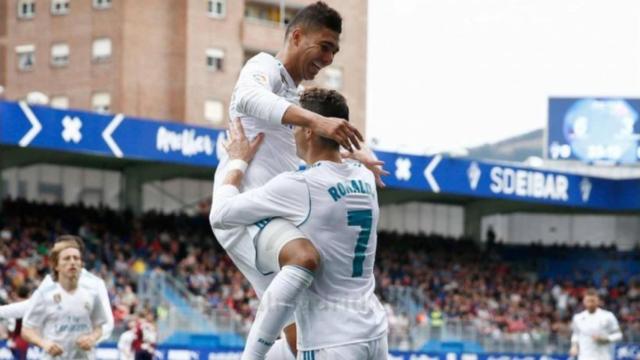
[(300, 252)]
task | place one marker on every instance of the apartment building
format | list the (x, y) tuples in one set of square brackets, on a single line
[(175, 60)]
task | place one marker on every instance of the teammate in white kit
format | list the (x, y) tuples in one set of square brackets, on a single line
[(335, 203), (265, 99), (65, 319), (594, 330), (19, 309)]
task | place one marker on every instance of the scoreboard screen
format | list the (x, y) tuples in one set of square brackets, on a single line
[(594, 130)]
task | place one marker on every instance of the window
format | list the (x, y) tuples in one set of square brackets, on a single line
[(101, 49), (333, 78), (101, 102), (59, 54), (59, 7), (214, 111), (101, 4), (215, 59), (26, 57), (26, 9), (59, 102), (216, 8)]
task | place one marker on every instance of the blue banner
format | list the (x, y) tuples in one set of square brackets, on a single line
[(496, 181), (118, 136), (107, 135)]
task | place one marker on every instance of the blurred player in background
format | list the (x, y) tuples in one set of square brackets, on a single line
[(265, 99), (65, 319), (594, 330), (18, 309), (339, 316)]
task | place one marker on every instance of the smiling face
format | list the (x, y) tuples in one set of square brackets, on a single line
[(314, 50)]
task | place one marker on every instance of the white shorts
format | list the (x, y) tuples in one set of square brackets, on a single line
[(239, 245), (371, 350)]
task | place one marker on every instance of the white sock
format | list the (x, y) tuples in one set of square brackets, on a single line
[(278, 303), (280, 351)]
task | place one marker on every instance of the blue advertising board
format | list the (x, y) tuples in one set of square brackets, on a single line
[(118, 136), (107, 135), (594, 130), (497, 181)]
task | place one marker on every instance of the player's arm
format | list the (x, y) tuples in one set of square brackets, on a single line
[(15, 310), (98, 318), (32, 336), (575, 338), (284, 196), (366, 156), (105, 304), (86, 342), (19, 309), (33, 320), (614, 334), (254, 96)]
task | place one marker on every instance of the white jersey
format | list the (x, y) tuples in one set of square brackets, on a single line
[(585, 325), (337, 206), (262, 95), (87, 279), (62, 317)]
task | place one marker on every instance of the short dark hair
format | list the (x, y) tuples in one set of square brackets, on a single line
[(316, 16), (329, 103)]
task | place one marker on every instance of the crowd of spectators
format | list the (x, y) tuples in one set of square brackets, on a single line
[(423, 280)]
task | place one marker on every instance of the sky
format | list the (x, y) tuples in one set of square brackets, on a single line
[(443, 75)]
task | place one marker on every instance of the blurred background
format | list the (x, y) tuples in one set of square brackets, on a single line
[(510, 129)]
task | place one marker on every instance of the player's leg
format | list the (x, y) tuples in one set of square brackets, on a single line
[(280, 245), (239, 246)]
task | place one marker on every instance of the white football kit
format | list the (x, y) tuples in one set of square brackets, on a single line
[(63, 317), (585, 325), (262, 95), (87, 279), (336, 205)]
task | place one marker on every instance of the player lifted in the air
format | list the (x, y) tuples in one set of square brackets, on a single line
[(265, 99), (594, 330), (65, 319), (335, 203)]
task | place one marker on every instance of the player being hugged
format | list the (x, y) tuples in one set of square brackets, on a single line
[(594, 330), (65, 319)]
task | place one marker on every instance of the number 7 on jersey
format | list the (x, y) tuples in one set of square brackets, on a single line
[(363, 219)]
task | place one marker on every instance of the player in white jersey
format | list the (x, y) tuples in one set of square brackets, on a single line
[(18, 310), (594, 330), (66, 318), (265, 98), (335, 203)]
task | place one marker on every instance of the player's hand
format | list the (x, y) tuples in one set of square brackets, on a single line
[(52, 348), (237, 144), (339, 130), (600, 339), (368, 159), (573, 352), (86, 342)]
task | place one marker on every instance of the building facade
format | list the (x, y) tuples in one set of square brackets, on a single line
[(171, 60)]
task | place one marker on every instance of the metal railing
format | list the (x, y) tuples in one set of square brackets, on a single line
[(183, 311), (409, 301)]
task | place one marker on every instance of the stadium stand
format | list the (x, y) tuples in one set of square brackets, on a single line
[(441, 293)]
